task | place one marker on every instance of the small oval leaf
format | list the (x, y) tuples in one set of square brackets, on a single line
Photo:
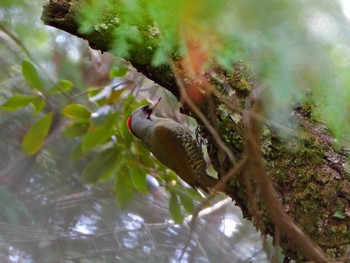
[(123, 189), (34, 138), (31, 75), (98, 135), (186, 201), (175, 208), (76, 111), (139, 180), (16, 102)]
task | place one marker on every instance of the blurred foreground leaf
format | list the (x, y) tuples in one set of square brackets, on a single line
[(175, 208), (123, 188), (19, 101), (139, 180), (35, 136), (186, 201), (16, 102), (76, 111), (97, 135), (31, 75)]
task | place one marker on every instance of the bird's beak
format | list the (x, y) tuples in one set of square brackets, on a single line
[(154, 104)]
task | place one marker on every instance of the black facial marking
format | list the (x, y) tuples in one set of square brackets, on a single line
[(147, 110)]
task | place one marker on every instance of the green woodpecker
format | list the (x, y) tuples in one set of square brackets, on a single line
[(172, 144)]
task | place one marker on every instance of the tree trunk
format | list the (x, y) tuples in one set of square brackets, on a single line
[(310, 176)]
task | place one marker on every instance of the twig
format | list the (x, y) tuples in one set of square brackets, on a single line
[(212, 130), (250, 192), (269, 194), (231, 173), (276, 243), (256, 115)]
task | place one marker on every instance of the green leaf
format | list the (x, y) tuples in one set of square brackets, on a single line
[(31, 75), (75, 130), (175, 208), (117, 72), (123, 189), (34, 138), (186, 201), (38, 104), (76, 111), (95, 136), (16, 102), (139, 180), (20, 101), (62, 85), (101, 166), (98, 135)]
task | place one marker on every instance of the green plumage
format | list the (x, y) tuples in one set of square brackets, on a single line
[(174, 146)]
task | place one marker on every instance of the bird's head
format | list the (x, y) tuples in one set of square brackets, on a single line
[(141, 119)]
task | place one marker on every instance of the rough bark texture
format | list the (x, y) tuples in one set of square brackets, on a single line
[(310, 175)]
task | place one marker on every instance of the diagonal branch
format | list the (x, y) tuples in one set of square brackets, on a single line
[(257, 169)]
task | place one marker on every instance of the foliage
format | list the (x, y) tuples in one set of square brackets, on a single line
[(297, 50), (102, 137), (34, 138), (45, 95)]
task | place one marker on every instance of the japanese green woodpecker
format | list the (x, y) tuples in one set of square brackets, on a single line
[(172, 144)]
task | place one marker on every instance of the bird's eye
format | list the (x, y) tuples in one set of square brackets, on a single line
[(147, 110)]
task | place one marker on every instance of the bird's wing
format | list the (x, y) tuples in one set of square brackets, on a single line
[(176, 149)]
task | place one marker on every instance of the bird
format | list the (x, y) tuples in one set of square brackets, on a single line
[(172, 144)]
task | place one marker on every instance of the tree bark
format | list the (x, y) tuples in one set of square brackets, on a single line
[(309, 174)]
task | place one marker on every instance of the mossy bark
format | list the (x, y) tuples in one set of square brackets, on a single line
[(310, 175)]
